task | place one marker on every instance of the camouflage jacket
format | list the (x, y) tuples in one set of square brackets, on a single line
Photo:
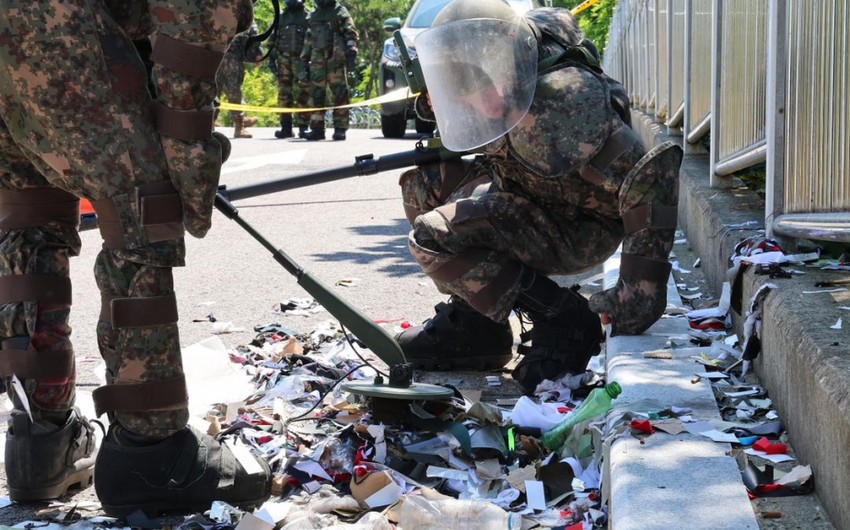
[(291, 31), (330, 31), (551, 154)]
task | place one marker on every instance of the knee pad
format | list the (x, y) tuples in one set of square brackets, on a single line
[(37, 211)]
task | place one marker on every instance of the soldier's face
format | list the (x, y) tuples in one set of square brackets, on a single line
[(489, 102)]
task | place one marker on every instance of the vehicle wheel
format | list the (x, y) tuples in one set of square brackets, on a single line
[(425, 127), (393, 125)]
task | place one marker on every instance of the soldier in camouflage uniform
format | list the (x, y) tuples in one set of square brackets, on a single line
[(231, 75), (77, 119), (330, 49), (285, 62), (562, 182)]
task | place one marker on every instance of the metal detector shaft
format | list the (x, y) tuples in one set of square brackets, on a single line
[(363, 165), (372, 335)]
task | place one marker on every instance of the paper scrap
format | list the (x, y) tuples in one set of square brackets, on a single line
[(658, 354), (776, 459), (837, 325), (535, 494)]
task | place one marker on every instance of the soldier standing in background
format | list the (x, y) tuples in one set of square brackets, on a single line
[(231, 74), (330, 48), (292, 75), (139, 145)]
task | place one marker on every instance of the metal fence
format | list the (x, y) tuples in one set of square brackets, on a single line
[(763, 82)]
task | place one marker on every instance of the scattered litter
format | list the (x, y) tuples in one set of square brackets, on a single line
[(219, 328), (837, 324)]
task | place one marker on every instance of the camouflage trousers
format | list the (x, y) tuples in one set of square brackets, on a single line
[(291, 91), (229, 79), (66, 133), (329, 74), (471, 236)]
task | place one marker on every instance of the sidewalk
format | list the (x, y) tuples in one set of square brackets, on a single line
[(802, 365)]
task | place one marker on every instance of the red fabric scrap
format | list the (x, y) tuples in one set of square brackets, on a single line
[(765, 446), (644, 426)]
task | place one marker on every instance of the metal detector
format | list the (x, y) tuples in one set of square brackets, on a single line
[(400, 384)]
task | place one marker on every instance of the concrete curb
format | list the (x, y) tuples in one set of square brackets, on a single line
[(664, 480), (804, 365)]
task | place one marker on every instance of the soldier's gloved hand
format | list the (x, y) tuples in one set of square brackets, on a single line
[(304, 74), (273, 68), (422, 106), (351, 58), (632, 306)]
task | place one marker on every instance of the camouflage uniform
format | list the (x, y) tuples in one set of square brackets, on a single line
[(557, 194), (231, 73), (331, 37), (77, 120), (291, 72)]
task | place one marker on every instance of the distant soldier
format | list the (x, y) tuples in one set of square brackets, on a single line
[(292, 74), (231, 74), (330, 49)]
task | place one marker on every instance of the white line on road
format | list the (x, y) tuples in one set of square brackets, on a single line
[(287, 158)]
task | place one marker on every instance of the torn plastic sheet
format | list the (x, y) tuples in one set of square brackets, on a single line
[(763, 483)]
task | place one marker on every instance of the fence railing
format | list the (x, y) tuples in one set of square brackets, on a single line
[(765, 82)]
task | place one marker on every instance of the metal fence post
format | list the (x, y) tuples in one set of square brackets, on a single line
[(716, 78), (775, 109), (688, 122)]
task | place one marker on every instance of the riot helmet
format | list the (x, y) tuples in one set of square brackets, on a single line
[(479, 60), (294, 4), (325, 3)]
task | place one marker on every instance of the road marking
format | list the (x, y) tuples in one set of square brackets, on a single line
[(287, 158)]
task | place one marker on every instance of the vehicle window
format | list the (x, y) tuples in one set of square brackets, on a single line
[(425, 13)]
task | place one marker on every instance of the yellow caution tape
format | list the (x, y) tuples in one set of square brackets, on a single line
[(396, 95), (584, 5)]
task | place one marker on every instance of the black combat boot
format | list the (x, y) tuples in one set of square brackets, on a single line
[(285, 127), (43, 461), (318, 133), (185, 472), (339, 134), (302, 131), (457, 338), (565, 333)]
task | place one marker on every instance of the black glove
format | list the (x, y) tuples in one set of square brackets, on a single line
[(273, 65), (350, 59), (304, 75)]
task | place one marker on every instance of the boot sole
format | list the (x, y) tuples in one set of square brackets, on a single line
[(478, 363), (156, 509), (83, 479)]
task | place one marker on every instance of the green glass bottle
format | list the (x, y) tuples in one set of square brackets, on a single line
[(597, 403)]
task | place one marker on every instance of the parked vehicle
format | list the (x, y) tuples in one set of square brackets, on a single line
[(394, 115)]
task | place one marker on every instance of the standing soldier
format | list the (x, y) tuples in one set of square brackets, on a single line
[(231, 74), (140, 146), (330, 48), (290, 70)]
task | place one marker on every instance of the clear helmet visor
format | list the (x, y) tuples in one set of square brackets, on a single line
[(481, 74)]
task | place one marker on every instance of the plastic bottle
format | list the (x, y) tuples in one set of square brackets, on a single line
[(597, 403), (418, 513)]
